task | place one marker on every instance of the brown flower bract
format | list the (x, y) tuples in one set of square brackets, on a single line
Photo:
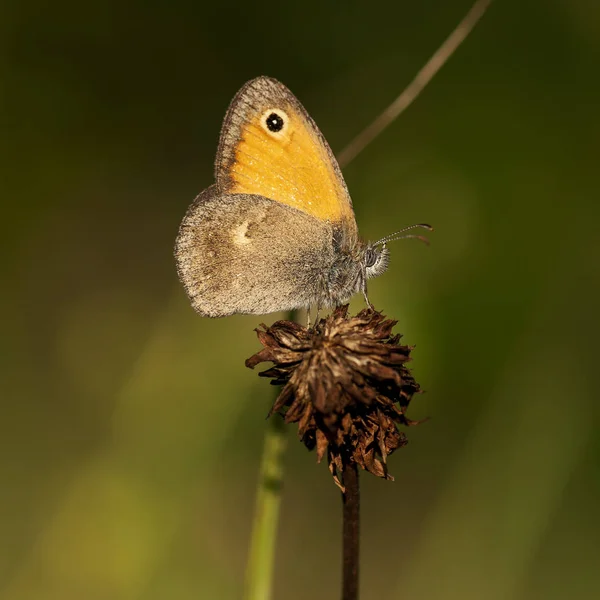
[(345, 383)]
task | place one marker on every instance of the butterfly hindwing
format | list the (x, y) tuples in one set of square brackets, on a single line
[(241, 253)]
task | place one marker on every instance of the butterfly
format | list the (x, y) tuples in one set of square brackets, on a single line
[(276, 231)]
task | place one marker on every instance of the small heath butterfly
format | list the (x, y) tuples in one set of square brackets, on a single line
[(276, 231)]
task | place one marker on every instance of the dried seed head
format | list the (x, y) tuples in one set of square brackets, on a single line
[(345, 383)]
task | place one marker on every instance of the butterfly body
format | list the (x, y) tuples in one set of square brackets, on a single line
[(277, 230)]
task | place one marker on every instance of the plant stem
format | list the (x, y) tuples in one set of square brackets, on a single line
[(259, 570), (351, 531)]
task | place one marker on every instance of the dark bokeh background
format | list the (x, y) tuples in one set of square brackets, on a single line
[(130, 431)]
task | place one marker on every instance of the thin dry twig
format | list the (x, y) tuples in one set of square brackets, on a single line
[(415, 87)]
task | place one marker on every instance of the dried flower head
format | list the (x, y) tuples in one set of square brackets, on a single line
[(346, 384)]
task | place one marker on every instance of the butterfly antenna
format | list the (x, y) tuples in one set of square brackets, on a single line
[(396, 236)]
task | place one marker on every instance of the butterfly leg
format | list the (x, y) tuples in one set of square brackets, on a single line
[(364, 291), (308, 317)]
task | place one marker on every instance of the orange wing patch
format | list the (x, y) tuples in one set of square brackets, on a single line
[(271, 147), (289, 168)]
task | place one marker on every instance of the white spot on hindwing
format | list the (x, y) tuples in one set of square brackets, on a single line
[(240, 236)]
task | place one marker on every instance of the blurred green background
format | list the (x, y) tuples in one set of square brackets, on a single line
[(130, 430)]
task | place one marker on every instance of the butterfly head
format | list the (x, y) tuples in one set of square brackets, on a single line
[(376, 259)]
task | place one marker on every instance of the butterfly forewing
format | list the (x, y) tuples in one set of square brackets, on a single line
[(271, 147)]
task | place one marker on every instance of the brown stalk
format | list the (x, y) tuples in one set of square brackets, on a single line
[(350, 532)]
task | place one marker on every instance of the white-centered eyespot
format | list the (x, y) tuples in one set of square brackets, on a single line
[(274, 121)]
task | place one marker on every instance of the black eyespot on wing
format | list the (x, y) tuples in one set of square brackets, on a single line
[(274, 122)]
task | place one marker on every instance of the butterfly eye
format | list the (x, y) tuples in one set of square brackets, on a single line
[(376, 260), (370, 257), (274, 122)]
